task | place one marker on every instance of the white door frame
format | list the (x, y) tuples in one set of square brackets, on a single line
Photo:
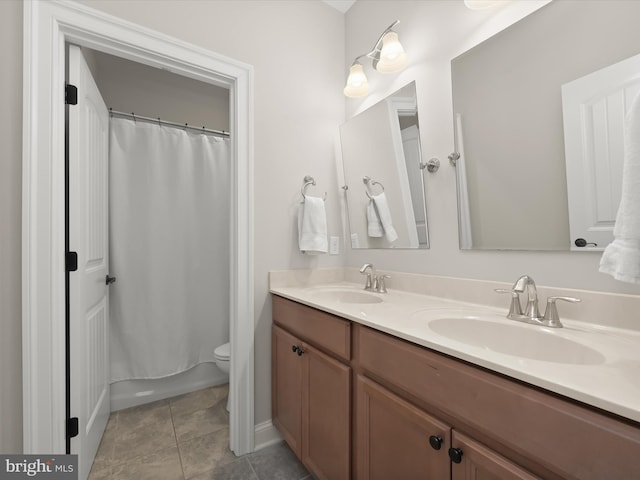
[(48, 25)]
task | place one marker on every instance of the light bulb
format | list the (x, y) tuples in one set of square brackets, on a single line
[(357, 84), (392, 56)]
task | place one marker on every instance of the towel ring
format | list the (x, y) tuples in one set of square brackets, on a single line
[(369, 183), (308, 180)]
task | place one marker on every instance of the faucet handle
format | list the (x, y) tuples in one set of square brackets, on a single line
[(515, 309), (551, 317), (382, 288)]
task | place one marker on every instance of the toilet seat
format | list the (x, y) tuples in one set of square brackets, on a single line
[(223, 352)]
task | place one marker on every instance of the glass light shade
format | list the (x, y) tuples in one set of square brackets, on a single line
[(357, 84), (392, 56)]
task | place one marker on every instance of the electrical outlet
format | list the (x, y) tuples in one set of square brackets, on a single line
[(334, 245)]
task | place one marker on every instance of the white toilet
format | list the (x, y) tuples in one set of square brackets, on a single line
[(222, 355)]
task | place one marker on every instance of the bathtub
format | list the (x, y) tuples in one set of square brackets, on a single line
[(129, 393)]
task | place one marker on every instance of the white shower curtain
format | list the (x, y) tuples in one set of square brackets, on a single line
[(169, 234)]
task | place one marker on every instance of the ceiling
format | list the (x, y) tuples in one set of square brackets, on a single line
[(341, 5)]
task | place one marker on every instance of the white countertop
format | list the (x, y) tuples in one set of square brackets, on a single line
[(611, 382)]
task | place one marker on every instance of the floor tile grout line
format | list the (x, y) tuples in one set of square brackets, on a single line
[(255, 474), (175, 436)]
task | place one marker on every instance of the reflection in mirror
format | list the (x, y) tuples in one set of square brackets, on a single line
[(384, 184), (508, 119)]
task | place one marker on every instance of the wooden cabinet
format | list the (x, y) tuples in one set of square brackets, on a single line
[(286, 389), (311, 390), (409, 400), (473, 461), (326, 397), (394, 439), (542, 433)]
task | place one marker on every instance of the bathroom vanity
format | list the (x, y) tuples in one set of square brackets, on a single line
[(359, 402)]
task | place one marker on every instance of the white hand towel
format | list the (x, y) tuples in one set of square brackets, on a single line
[(621, 258), (374, 227), (312, 226), (382, 207)]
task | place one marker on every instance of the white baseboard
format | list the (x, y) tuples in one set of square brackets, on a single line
[(266, 435)]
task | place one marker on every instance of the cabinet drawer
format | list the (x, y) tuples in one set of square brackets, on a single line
[(558, 435), (325, 331)]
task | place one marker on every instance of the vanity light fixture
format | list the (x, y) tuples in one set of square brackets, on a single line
[(387, 56)]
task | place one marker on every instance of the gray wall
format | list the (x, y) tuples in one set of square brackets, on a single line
[(10, 227)]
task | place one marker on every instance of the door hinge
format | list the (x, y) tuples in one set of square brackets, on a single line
[(70, 94), (72, 261), (73, 427)]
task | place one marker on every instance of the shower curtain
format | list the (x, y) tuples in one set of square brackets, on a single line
[(169, 248)]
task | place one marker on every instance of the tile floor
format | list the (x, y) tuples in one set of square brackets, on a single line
[(185, 438)]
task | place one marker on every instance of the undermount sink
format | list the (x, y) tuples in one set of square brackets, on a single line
[(347, 296), (516, 340)]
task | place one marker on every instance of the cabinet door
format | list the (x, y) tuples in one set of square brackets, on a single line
[(326, 394), (477, 462), (286, 388), (393, 438)]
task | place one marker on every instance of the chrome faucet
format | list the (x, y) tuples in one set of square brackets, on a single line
[(372, 279), (531, 312), (374, 282), (525, 282)]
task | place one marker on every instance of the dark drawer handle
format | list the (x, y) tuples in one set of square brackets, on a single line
[(455, 454), (435, 441)]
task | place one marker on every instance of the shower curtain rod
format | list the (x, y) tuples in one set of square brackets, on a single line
[(219, 133)]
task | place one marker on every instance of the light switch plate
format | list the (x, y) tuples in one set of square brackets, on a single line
[(334, 245)]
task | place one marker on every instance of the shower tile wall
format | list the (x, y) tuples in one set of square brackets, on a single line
[(185, 438)]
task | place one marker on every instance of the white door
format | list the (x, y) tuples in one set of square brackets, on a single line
[(413, 158), (593, 109), (88, 236)]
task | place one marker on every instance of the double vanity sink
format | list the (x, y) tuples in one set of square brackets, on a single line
[(477, 328), (387, 382), (592, 364)]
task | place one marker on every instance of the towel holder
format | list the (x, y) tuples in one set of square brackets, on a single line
[(369, 182), (309, 180)]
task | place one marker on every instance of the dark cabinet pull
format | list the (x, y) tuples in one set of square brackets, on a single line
[(455, 454), (109, 280), (435, 441), (295, 348)]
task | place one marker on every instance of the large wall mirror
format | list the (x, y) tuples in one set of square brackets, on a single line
[(383, 173), (515, 189)]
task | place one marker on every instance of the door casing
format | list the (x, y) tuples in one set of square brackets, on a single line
[(48, 25)]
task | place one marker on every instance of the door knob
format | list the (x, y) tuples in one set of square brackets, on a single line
[(109, 280)]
